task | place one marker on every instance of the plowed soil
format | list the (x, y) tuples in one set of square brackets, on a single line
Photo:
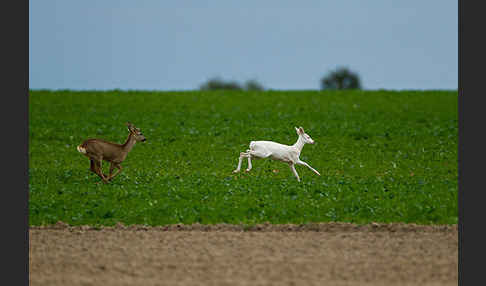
[(315, 254)]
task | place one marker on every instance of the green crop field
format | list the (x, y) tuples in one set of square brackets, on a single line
[(384, 156)]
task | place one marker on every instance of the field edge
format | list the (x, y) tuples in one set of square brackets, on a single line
[(265, 227)]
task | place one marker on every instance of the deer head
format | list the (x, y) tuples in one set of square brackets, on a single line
[(137, 134), (306, 138)]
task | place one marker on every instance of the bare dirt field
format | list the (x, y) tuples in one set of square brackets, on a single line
[(314, 254)]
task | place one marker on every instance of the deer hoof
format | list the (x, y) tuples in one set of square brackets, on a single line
[(247, 170)]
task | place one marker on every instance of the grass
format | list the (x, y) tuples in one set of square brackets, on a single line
[(384, 156)]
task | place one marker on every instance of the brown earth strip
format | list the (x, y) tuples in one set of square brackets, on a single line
[(311, 254)]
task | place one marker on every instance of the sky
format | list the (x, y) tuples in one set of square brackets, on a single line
[(284, 45)]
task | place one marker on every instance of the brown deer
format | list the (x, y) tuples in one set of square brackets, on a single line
[(98, 150)]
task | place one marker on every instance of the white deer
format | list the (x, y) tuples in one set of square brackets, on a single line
[(277, 151)]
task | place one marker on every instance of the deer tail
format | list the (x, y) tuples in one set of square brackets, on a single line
[(81, 149)]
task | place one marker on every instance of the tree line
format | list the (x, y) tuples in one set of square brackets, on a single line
[(339, 78)]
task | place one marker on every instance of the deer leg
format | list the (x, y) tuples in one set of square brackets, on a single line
[(255, 154), (112, 167), (93, 167), (119, 168), (249, 164), (292, 167), (307, 165), (99, 171), (249, 160), (242, 155)]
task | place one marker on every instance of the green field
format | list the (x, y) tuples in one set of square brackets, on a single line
[(384, 156)]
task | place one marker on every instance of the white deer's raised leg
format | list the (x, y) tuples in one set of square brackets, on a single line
[(308, 166)]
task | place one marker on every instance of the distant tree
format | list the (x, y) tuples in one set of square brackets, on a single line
[(219, 84), (341, 78), (253, 85)]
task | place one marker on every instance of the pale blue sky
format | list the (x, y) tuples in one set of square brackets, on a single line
[(178, 45)]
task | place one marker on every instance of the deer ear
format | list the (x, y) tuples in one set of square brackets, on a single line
[(130, 126), (301, 130), (297, 130)]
